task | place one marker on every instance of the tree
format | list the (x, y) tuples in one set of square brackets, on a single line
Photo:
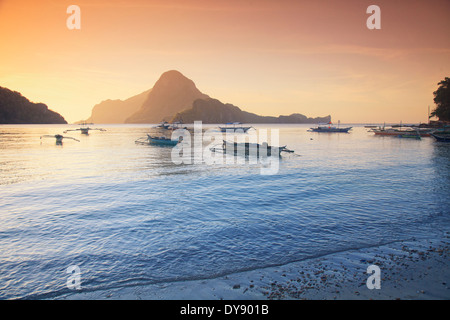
[(442, 100)]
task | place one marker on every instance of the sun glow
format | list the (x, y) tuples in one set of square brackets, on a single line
[(269, 58)]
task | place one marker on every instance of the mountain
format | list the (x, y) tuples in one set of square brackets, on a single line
[(172, 93), (117, 111), (176, 98), (16, 109), (214, 111)]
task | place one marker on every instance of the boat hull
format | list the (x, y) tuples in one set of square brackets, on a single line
[(251, 149), (225, 129), (409, 136), (162, 141), (441, 138), (398, 132), (343, 130)]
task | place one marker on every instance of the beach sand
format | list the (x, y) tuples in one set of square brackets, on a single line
[(417, 269)]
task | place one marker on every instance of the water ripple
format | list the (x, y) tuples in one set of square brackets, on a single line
[(126, 215)]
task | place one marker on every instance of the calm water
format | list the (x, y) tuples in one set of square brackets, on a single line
[(126, 215)]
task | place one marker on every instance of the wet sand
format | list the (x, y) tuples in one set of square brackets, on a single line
[(411, 270)]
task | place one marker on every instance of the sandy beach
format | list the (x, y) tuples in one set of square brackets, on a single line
[(416, 269)]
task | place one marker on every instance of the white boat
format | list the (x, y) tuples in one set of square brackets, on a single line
[(167, 126), (382, 131), (84, 129), (328, 127), (177, 125), (233, 127), (249, 149), (59, 138), (163, 125)]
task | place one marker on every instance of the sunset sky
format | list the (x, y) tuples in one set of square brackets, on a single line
[(267, 57)]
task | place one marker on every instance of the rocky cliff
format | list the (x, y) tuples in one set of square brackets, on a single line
[(172, 93), (16, 109), (117, 111)]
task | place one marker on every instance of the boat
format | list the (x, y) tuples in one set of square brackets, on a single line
[(59, 138), (177, 125), (84, 129), (441, 136), (409, 135), (424, 132), (167, 126), (163, 125), (382, 131), (249, 149), (162, 141), (233, 127), (328, 127), (385, 132)]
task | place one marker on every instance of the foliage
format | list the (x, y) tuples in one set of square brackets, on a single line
[(442, 100)]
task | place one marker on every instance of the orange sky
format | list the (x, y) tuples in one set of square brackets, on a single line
[(268, 57)]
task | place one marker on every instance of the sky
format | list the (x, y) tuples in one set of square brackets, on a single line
[(272, 57)]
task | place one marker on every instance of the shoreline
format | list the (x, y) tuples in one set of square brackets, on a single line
[(410, 270)]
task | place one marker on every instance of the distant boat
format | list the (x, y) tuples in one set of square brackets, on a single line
[(329, 128), (382, 131), (424, 132), (236, 148), (409, 135), (162, 141), (441, 136), (84, 129), (233, 127), (163, 125), (59, 138), (177, 125), (167, 126)]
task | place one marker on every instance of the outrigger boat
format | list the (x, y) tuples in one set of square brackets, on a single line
[(167, 126), (84, 129), (162, 141), (410, 135), (232, 127), (59, 138), (329, 128), (441, 136), (382, 131), (249, 149), (163, 125), (177, 125)]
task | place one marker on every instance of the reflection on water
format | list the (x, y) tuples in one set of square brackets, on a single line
[(127, 215), (441, 179), (441, 156)]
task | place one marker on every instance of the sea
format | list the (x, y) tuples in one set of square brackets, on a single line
[(106, 212)]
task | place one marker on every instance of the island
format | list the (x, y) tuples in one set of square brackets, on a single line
[(16, 109), (175, 98)]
